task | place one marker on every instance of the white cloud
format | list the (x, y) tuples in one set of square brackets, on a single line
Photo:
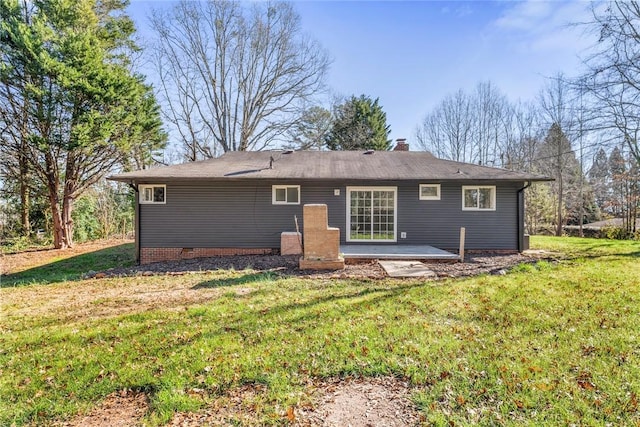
[(524, 16), (543, 26)]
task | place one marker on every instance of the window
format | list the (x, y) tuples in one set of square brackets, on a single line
[(371, 214), (152, 193), (478, 198), (285, 194), (429, 191)]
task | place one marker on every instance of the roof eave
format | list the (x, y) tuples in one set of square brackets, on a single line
[(133, 179)]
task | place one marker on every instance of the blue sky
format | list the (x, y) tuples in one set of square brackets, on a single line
[(410, 55)]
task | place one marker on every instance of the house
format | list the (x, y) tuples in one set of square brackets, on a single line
[(241, 202)]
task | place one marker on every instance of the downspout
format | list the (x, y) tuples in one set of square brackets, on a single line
[(136, 219), (521, 216)]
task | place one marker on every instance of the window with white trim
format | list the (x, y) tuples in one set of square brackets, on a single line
[(478, 198), (429, 191), (285, 194), (149, 194)]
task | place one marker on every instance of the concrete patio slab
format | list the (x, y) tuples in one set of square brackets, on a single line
[(406, 269), (406, 252)]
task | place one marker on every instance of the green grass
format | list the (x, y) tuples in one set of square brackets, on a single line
[(583, 247), (548, 344), (64, 269)]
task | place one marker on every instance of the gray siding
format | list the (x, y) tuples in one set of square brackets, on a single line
[(239, 214), (438, 222)]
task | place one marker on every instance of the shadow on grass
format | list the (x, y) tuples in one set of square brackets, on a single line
[(611, 256), (241, 280), (74, 267), (590, 248), (305, 314)]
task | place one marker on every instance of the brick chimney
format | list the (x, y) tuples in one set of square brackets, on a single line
[(401, 145)]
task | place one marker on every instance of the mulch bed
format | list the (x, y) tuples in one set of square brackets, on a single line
[(287, 266)]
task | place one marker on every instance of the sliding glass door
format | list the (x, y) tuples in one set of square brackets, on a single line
[(371, 214)]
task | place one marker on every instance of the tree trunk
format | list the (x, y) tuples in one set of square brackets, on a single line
[(25, 202), (23, 166), (62, 222), (70, 186), (57, 216), (59, 238), (67, 221), (560, 191)]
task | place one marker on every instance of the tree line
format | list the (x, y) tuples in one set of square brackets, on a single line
[(582, 131), (227, 76)]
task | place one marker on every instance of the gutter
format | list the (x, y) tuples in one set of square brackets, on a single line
[(520, 214), (136, 219)]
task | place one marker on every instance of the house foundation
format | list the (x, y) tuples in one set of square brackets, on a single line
[(149, 255)]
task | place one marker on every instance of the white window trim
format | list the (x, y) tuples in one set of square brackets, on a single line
[(277, 187), (141, 189), (478, 187), (421, 197), (395, 213)]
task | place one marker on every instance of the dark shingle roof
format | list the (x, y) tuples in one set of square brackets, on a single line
[(325, 165)]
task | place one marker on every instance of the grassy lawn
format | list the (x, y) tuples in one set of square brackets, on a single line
[(553, 344)]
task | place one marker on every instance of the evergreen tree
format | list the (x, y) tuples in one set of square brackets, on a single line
[(359, 124), (618, 169), (65, 80), (540, 207), (311, 130)]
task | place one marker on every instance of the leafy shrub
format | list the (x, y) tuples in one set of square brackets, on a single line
[(23, 243), (615, 233), (85, 222)]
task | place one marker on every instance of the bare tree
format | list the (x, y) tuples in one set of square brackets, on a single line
[(624, 182), (467, 127), (613, 72), (522, 136), (556, 159), (490, 110), (446, 131), (561, 115), (234, 78), (558, 115)]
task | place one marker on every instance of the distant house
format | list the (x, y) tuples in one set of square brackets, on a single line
[(241, 202)]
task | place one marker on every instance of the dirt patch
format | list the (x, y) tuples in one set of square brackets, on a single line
[(487, 263), (237, 407), (121, 409), (475, 264), (362, 402), (281, 265), (359, 402), (91, 299)]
